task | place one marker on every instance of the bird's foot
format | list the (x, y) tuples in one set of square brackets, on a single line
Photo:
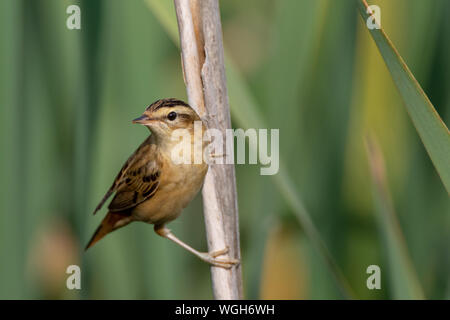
[(211, 258)]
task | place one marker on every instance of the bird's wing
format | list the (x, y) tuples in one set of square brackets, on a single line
[(138, 184), (137, 180)]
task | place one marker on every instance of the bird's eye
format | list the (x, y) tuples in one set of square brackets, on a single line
[(172, 116)]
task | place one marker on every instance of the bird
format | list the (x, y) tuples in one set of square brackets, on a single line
[(153, 188)]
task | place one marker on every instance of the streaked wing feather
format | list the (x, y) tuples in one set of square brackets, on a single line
[(115, 184), (138, 183), (105, 197), (121, 176)]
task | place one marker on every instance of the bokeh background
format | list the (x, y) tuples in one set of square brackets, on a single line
[(310, 68)]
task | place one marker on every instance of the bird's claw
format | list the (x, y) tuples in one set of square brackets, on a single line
[(217, 253), (211, 258)]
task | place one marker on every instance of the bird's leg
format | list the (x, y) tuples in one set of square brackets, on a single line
[(209, 257)]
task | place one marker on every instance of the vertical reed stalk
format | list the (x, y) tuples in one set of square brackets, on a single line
[(204, 75)]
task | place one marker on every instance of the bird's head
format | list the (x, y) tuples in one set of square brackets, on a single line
[(166, 115)]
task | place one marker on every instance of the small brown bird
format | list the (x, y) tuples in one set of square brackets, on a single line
[(151, 187)]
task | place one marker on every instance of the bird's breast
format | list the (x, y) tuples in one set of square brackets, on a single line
[(178, 186)]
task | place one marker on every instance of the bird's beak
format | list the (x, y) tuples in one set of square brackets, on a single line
[(142, 119)]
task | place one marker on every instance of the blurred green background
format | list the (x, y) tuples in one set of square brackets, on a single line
[(312, 70)]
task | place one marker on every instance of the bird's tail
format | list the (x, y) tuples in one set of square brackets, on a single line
[(111, 222)]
